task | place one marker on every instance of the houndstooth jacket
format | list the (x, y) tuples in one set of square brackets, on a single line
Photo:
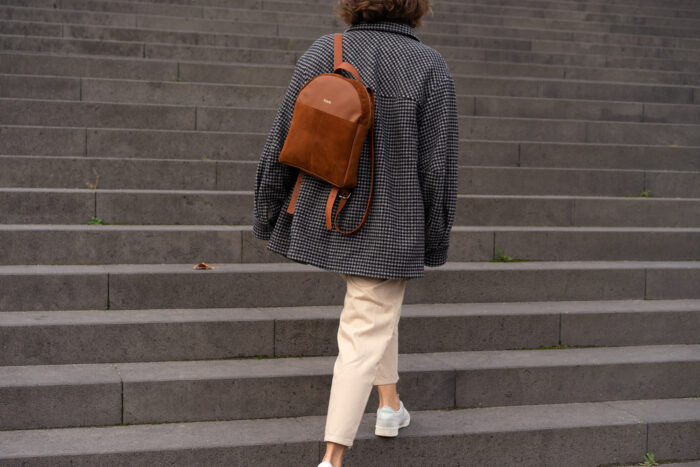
[(416, 158)]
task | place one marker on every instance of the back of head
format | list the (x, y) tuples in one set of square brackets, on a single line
[(410, 12)]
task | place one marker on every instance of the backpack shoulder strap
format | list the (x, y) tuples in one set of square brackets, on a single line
[(338, 63), (337, 50), (345, 194)]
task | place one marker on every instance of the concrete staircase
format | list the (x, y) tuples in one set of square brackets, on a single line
[(580, 154)]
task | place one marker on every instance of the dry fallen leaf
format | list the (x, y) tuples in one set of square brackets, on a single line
[(203, 266)]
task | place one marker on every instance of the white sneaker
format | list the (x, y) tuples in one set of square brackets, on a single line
[(325, 464), (389, 420)]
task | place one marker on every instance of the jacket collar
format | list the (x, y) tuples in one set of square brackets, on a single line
[(390, 26)]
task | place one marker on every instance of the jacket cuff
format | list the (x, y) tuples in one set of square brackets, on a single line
[(262, 230), (434, 258)]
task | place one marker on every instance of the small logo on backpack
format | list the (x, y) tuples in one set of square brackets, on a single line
[(326, 101)]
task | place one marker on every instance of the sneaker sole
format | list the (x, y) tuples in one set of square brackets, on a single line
[(387, 431)]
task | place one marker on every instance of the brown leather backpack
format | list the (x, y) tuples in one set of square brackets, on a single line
[(331, 119)]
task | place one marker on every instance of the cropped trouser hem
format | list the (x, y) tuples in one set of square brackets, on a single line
[(337, 439), (368, 349), (380, 382)]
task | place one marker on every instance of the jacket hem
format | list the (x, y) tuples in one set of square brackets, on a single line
[(343, 269)]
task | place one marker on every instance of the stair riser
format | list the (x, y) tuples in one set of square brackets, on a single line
[(75, 290), (117, 115), (226, 208), (617, 435), (181, 247), (581, 131), (301, 43), (46, 12), (246, 147), (63, 172), (423, 390), (485, 128), (271, 56), (581, 155), (200, 107), (100, 142), (188, 92), (287, 337), (231, 398), (562, 89)]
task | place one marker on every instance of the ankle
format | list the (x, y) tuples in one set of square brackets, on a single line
[(393, 402), (334, 453)]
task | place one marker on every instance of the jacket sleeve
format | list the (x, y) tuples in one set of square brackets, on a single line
[(274, 180), (438, 159)]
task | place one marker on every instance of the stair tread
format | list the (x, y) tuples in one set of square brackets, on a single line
[(184, 315), (222, 268), (245, 228)]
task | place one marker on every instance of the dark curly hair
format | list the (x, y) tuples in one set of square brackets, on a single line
[(370, 11)]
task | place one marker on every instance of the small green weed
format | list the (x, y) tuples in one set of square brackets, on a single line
[(649, 460), (646, 194), (97, 221), (499, 256), (178, 79), (205, 158)]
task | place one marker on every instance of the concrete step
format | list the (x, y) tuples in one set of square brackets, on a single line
[(151, 50), (521, 53), (123, 115), (552, 9), (470, 127), (26, 83), (431, 31), (67, 102), (115, 244), (144, 174), (192, 76), (152, 34), (579, 10), (566, 98), (272, 41), (48, 396), (582, 131), (622, 431), (489, 118), (106, 142), (582, 11), (559, 108), (223, 207), (89, 336), (299, 25), (313, 13), (135, 286), (586, 155), (290, 23), (195, 145)]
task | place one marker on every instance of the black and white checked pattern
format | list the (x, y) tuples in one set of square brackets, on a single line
[(416, 158)]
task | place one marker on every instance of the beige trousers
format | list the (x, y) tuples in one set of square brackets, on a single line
[(368, 351)]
